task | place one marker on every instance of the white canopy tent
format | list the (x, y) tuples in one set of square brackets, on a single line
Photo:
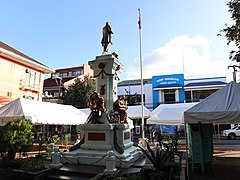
[(136, 112), (169, 114), (41, 113), (222, 107)]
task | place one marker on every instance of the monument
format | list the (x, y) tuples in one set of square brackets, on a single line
[(106, 128)]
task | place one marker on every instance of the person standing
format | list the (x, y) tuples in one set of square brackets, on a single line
[(155, 134), (159, 137)]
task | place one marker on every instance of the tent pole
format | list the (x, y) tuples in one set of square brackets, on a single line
[(215, 132), (186, 149), (218, 133), (70, 132)]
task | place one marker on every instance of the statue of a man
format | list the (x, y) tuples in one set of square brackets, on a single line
[(107, 36)]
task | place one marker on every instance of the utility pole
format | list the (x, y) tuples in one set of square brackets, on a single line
[(54, 76), (234, 71)]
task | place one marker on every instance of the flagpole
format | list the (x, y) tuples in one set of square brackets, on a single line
[(141, 71)]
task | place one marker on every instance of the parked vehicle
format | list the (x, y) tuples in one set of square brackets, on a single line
[(232, 133)]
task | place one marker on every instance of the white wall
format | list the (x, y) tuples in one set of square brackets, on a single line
[(147, 90)]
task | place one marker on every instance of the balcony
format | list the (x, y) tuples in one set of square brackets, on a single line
[(23, 87)]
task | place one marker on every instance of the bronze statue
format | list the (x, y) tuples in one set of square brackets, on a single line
[(120, 106), (102, 89), (97, 107), (113, 117), (107, 36)]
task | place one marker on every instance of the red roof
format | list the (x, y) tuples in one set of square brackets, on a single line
[(9, 48), (49, 82)]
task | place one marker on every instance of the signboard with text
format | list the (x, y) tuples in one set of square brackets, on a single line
[(168, 80)]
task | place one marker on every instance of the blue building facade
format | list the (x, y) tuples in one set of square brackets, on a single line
[(168, 89)]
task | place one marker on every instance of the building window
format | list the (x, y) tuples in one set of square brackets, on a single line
[(30, 78), (134, 99), (202, 94), (12, 66), (9, 94), (188, 96), (77, 73), (198, 95), (63, 74), (169, 96)]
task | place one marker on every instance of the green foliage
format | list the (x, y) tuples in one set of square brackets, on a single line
[(171, 143), (17, 136), (67, 139), (162, 159), (158, 157), (232, 33), (78, 93), (32, 164), (53, 139), (27, 164), (117, 175), (41, 140), (3, 140)]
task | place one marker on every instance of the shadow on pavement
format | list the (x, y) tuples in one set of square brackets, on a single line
[(223, 168)]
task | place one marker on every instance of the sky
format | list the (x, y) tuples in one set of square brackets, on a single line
[(176, 36)]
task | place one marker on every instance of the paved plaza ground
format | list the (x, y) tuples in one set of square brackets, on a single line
[(226, 163), (225, 166)]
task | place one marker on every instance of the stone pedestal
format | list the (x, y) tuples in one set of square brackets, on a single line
[(106, 71), (101, 138)]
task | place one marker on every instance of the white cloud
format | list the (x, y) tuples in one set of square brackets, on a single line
[(182, 54)]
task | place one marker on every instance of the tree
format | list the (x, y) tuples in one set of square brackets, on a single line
[(232, 33), (78, 93), (16, 136), (41, 140)]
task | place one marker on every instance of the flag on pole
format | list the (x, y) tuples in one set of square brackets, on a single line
[(141, 69), (139, 20)]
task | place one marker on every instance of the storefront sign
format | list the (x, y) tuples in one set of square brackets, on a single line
[(168, 80)]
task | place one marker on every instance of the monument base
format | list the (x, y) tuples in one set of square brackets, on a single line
[(101, 138)]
